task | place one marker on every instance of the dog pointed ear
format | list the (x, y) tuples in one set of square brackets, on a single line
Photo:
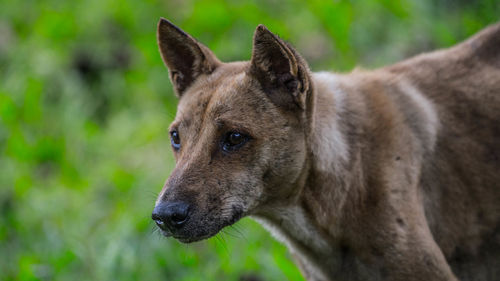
[(281, 72), (185, 57)]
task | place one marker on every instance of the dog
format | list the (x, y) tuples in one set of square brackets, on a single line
[(390, 174)]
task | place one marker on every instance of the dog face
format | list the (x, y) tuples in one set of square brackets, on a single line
[(239, 136)]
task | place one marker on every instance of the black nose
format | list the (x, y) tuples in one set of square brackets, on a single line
[(171, 215)]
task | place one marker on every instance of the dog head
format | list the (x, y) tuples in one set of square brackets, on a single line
[(239, 135)]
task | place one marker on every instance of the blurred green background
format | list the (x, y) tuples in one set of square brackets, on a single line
[(85, 103)]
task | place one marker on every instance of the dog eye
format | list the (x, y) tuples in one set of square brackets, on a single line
[(234, 140), (175, 140)]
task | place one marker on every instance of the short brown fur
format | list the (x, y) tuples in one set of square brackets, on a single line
[(391, 174)]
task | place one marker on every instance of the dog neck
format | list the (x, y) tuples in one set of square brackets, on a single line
[(301, 222)]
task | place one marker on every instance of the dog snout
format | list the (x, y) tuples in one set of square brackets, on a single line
[(171, 215)]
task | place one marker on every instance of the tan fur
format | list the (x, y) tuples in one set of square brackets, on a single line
[(391, 174)]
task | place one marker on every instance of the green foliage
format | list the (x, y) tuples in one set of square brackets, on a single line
[(85, 104)]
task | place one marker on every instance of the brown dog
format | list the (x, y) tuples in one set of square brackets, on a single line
[(392, 174)]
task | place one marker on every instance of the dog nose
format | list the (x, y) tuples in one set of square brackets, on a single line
[(171, 215)]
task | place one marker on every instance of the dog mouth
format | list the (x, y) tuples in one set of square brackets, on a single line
[(199, 235), (188, 240), (201, 229)]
